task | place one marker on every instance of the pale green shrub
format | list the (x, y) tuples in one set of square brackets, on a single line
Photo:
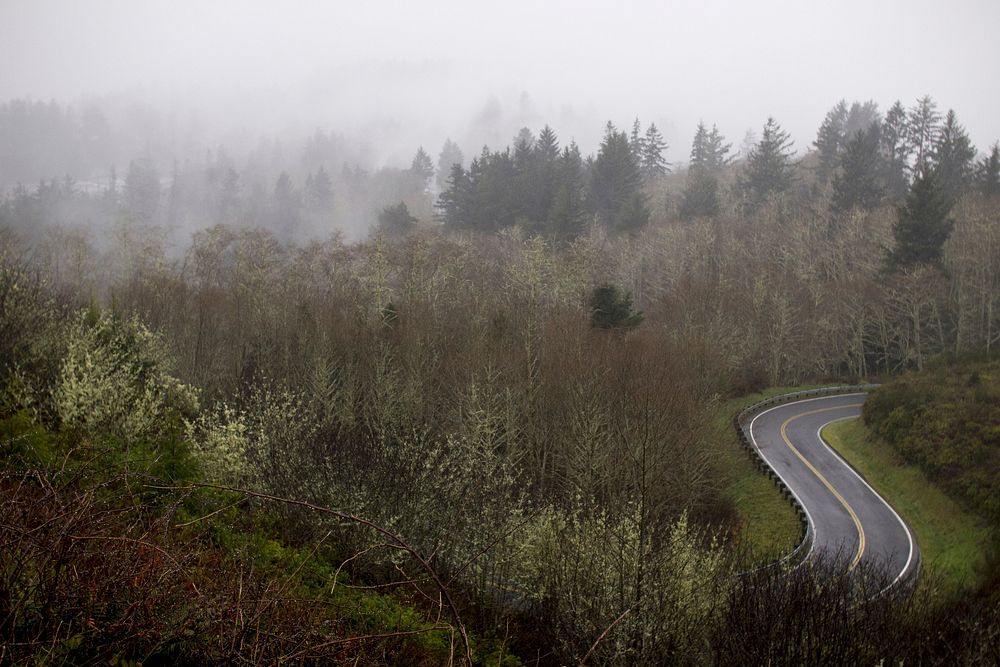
[(219, 442), (584, 569), (113, 380)]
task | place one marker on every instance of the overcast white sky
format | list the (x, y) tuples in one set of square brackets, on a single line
[(424, 70)]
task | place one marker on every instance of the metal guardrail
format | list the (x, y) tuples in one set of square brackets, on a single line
[(741, 422)]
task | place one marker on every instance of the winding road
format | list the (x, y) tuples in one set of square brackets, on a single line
[(848, 519)]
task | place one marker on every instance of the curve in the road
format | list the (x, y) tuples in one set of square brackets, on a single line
[(845, 514)]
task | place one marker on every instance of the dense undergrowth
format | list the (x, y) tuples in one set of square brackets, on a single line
[(946, 420), (339, 454)]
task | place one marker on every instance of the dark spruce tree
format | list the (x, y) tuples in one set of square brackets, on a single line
[(422, 168), (541, 178), (547, 145), (922, 124), (708, 157), (615, 182), (768, 171), (700, 149), (526, 211), (988, 173), (830, 141), (652, 163), (396, 221), (922, 225), (701, 196), (610, 308), (568, 215), (953, 157), (896, 152), (455, 201), (635, 140), (857, 184), (716, 151), (319, 192), (634, 215), (861, 116), (450, 154), (497, 202)]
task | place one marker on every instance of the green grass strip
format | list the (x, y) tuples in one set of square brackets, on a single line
[(953, 543), (769, 527)]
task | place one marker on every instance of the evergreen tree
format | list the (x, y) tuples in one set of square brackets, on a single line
[(450, 154), (612, 309), (525, 204), (896, 152), (988, 173), (615, 179), (701, 196), (708, 157), (716, 151), (830, 141), (769, 169), (634, 215), (319, 192), (547, 145), (635, 141), (396, 221), (285, 207), (568, 214), (524, 146), (700, 148), (922, 224), (422, 168), (922, 123), (453, 204), (953, 156), (543, 176), (861, 117), (496, 201), (652, 163), (857, 183)]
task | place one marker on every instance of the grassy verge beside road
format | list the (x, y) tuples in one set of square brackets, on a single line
[(953, 542), (769, 527)]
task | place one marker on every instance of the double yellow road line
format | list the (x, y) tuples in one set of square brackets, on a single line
[(825, 481)]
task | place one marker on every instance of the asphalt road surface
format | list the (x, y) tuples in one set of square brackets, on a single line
[(851, 523)]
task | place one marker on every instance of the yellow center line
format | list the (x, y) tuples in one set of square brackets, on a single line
[(826, 483)]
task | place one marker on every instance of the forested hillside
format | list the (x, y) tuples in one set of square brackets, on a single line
[(499, 409)]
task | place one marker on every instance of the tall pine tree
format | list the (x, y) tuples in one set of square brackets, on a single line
[(922, 124), (708, 157), (568, 214), (857, 184), (615, 180), (768, 170), (896, 152), (652, 163), (830, 141), (953, 156), (922, 225), (988, 173), (635, 140), (450, 154), (455, 201)]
